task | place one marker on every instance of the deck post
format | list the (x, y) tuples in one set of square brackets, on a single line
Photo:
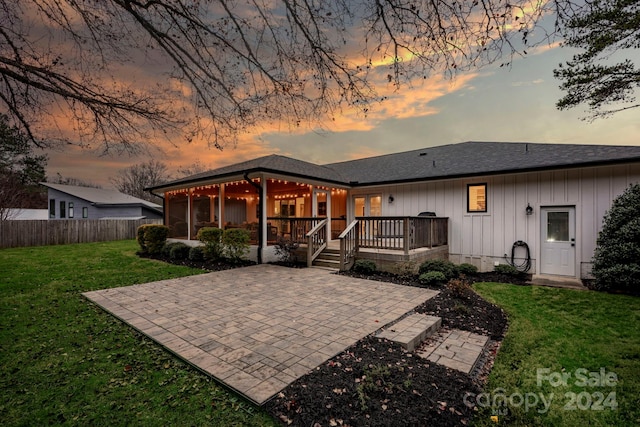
[(405, 233)]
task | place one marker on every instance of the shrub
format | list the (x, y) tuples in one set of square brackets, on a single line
[(467, 269), (179, 251), (433, 278), (212, 239), (459, 288), (365, 266), (506, 269), (236, 243), (286, 250), (152, 237), (616, 261), (196, 253), (166, 249), (443, 266), (405, 269)]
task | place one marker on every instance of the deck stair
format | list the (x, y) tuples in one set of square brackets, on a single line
[(328, 258), (411, 331)]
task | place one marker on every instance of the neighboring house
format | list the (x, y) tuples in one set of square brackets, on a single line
[(75, 202), (480, 200)]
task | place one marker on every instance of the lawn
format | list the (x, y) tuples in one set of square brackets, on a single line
[(573, 337), (65, 361)]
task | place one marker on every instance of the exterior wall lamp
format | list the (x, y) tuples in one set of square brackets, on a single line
[(529, 209), (391, 199)]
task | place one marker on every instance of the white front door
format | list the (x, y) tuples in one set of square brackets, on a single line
[(558, 247)]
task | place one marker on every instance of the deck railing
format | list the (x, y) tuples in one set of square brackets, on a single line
[(348, 246), (316, 241), (296, 229), (402, 233)]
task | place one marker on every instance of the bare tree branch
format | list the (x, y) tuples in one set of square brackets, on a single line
[(216, 69)]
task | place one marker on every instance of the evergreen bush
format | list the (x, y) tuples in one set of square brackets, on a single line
[(365, 266), (467, 269), (152, 237), (616, 261), (433, 278), (196, 253), (179, 251), (445, 267), (506, 269)]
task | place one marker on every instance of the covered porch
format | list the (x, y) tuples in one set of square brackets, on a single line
[(317, 213), (270, 207)]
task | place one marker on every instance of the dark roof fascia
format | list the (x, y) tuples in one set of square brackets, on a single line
[(496, 173), (241, 175)]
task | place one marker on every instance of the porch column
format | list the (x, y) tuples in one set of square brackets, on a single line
[(329, 216), (221, 207), (263, 214), (189, 219)]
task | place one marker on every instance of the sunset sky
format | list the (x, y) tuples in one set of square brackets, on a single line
[(514, 103)]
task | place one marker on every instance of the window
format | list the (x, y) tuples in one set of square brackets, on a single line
[(52, 208), (476, 197), (85, 212), (63, 209), (70, 209)]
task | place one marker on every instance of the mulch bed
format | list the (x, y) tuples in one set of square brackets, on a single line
[(376, 382), (207, 265)]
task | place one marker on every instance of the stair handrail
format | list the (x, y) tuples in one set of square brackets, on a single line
[(316, 241), (348, 245)]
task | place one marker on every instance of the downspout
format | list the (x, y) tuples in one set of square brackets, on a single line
[(260, 210), (164, 206)]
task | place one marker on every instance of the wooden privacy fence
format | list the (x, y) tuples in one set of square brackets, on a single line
[(14, 234)]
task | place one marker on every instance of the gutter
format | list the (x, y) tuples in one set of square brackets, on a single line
[(260, 210)]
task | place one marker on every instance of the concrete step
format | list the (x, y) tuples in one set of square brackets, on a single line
[(412, 330)]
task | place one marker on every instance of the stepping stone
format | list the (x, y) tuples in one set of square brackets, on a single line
[(412, 330), (454, 349)]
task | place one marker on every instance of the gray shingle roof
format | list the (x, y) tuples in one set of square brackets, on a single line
[(479, 158), (446, 161), (100, 196), (273, 163)]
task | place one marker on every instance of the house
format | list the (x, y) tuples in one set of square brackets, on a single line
[(538, 206), (75, 202)]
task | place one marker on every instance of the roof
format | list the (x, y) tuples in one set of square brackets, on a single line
[(102, 197), (479, 158), (273, 163), (447, 161)]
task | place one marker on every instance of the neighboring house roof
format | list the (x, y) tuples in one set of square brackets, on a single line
[(103, 197), (447, 161), (27, 214)]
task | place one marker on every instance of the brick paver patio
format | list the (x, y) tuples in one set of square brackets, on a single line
[(259, 328)]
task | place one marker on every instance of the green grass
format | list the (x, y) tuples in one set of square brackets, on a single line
[(565, 330), (64, 361)]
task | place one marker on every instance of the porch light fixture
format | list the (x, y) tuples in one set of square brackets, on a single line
[(529, 209), (391, 199)]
